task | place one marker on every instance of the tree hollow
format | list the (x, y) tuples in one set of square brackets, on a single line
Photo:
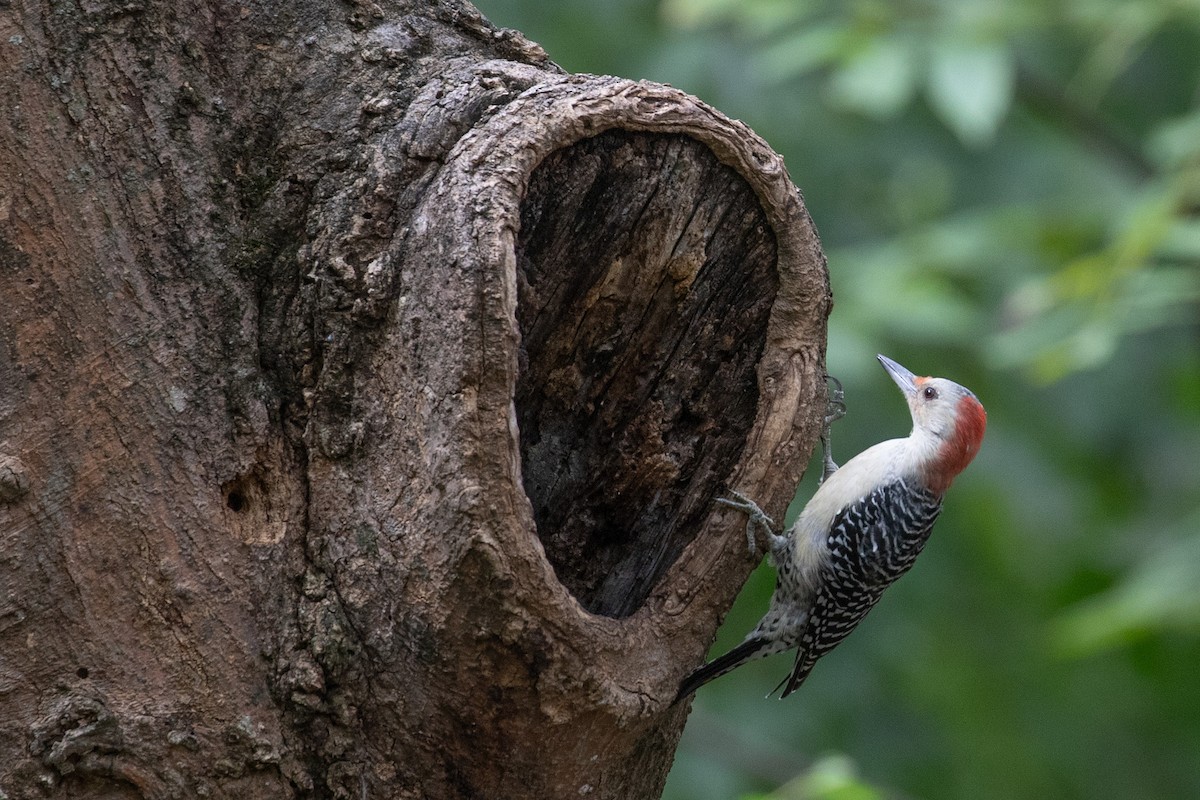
[(645, 266)]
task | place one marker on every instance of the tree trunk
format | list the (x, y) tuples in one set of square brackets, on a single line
[(365, 386)]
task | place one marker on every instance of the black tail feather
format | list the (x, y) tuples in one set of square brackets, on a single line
[(797, 676), (746, 651)]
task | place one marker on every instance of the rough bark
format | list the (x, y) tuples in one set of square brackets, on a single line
[(365, 385)]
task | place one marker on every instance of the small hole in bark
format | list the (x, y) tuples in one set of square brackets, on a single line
[(82, 672), (236, 501), (646, 272)]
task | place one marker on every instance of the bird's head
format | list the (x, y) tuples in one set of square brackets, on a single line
[(950, 416)]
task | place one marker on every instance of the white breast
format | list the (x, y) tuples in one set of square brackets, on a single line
[(878, 465)]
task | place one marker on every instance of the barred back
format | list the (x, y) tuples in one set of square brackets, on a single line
[(871, 543)]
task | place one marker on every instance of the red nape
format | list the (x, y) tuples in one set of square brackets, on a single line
[(969, 424)]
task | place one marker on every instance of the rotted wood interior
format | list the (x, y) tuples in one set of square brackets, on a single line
[(635, 397)]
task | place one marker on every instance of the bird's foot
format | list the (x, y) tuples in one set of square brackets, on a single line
[(756, 518), (837, 402), (835, 410)]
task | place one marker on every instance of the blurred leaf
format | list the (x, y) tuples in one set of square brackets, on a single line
[(1176, 141), (1075, 320), (1160, 296), (878, 81), (1182, 241), (694, 13), (756, 17), (833, 777), (804, 50), (1162, 593), (971, 88), (1122, 30), (1150, 218)]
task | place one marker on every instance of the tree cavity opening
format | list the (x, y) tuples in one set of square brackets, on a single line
[(647, 272)]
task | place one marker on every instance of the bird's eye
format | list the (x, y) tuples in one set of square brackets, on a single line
[(930, 393)]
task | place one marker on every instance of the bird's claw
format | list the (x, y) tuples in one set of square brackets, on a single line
[(835, 410), (837, 402), (755, 517)]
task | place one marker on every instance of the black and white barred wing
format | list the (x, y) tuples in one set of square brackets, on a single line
[(871, 543)]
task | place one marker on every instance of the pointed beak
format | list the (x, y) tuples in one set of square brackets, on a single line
[(903, 378)]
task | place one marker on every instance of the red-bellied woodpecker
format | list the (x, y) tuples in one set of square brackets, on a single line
[(862, 529)]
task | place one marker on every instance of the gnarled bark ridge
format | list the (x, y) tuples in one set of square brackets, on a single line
[(365, 385)]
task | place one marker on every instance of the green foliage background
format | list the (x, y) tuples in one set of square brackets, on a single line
[(1009, 195)]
